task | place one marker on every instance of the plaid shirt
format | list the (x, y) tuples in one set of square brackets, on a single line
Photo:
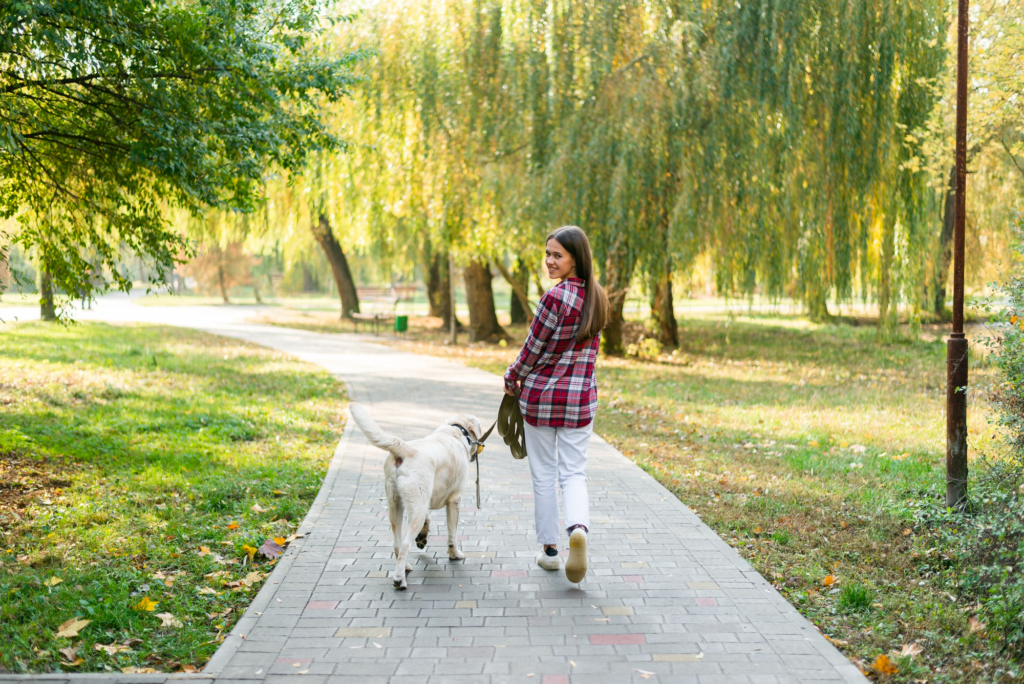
[(557, 372)]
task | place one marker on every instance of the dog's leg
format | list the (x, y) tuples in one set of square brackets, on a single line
[(415, 523), (397, 514), (453, 529), (421, 538)]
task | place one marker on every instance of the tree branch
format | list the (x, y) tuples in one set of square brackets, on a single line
[(518, 291)]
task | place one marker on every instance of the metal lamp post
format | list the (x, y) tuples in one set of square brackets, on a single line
[(956, 346)]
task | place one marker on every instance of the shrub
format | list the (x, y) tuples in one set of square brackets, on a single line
[(645, 348)]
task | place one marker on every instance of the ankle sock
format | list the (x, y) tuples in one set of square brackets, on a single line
[(550, 551)]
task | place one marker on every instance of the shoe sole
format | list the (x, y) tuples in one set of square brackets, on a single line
[(576, 565)]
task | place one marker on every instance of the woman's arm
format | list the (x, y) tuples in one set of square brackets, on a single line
[(543, 326)]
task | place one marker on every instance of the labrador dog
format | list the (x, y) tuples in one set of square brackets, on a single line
[(423, 475)]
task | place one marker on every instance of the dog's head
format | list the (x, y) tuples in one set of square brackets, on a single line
[(469, 423)]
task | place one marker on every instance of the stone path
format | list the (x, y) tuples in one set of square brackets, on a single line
[(665, 599)]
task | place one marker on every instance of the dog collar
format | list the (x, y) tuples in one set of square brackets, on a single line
[(475, 445)]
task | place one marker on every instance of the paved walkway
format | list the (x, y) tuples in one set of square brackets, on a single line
[(665, 599)]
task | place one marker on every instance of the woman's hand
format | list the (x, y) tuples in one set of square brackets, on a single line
[(509, 392)]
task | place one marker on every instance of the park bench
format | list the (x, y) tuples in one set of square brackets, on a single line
[(378, 304)]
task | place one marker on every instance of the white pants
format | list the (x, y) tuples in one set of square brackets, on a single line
[(558, 454)]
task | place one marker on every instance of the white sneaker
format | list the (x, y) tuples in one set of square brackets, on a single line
[(549, 562), (576, 566)]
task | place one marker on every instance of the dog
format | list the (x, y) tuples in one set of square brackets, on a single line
[(420, 476)]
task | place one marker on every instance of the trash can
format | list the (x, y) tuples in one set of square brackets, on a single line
[(401, 323)]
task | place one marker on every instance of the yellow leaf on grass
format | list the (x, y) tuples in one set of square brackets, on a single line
[(72, 627), (168, 620), (190, 669), (233, 526), (206, 590), (204, 551), (280, 541), (145, 604), (910, 650), (828, 581), (250, 550), (256, 508), (975, 625), (1014, 319), (111, 649), (883, 665), (53, 581), (138, 670)]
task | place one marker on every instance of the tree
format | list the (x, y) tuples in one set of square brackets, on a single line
[(113, 110)]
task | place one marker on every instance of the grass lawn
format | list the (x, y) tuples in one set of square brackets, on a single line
[(137, 464), (810, 449)]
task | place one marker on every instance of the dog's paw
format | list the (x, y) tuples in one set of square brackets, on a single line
[(401, 584), (455, 554), (421, 541)]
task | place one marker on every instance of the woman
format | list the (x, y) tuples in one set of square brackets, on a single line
[(558, 395)]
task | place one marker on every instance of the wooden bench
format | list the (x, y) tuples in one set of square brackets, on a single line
[(378, 304)]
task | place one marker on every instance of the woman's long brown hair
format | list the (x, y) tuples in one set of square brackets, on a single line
[(595, 304)]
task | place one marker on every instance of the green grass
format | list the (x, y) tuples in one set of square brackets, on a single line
[(809, 449), (124, 451)]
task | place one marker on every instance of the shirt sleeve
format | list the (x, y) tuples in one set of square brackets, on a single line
[(544, 324)]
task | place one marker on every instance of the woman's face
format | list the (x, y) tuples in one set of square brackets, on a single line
[(559, 263)]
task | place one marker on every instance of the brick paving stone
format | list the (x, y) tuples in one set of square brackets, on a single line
[(664, 595)]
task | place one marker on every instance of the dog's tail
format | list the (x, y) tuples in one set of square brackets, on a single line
[(378, 437)]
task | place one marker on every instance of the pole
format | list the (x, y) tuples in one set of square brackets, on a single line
[(956, 346), (451, 297)]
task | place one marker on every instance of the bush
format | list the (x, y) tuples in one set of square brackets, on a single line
[(645, 348), (982, 550)]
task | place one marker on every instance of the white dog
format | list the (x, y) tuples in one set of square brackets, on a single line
[(423, 475)]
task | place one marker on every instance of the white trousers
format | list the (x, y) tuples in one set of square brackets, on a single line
[(558, 455)]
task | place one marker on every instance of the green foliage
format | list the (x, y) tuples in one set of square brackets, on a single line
[(113, 110), (855, 597)]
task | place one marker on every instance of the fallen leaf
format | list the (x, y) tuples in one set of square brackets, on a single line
[(644, 674), (572, 663), (53, 581), (256, 508), (233, 526), (280, 541), (249, 550), (828, 581), (204, 551), (72, 627), (145, 604), (111, 649), (159, 574), (377, 645), (69, 653), (906, 532), (975, 625), (271, 549), (306, 671), (206, 590), (192, 669), (75, 663), (218, 573), (883, 665), (836, 642), (168, 620), (138, 670), (910, 650)]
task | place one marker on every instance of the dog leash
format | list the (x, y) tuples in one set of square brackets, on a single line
[(478, 446), (510, 428)]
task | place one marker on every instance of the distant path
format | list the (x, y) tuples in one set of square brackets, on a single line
[(665, 598)]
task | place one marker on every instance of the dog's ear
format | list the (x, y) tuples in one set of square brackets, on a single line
[(477, 429)]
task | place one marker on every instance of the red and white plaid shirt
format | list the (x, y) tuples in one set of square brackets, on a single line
[(556, 373)]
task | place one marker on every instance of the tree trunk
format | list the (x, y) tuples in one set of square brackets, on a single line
[(439, 289), (518, 313), (663, 310), (483, 320), (618, 271), (222, 279), (886, 306), (339, 266), (945, 246), (47, 308)]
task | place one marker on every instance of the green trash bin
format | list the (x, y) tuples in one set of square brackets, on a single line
[(401, 323)]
